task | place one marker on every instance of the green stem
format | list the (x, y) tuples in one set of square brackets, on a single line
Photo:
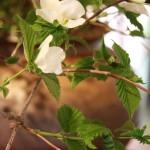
[(16, 75), (16, 49), (34, 4), (124, 138), (58, 136)]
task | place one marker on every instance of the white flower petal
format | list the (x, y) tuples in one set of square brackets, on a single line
[(50, 4), (44, 48), (136, 8), (46, 14), (74, 23), (72, 9)]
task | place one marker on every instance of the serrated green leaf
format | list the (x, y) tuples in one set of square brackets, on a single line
[(89, 130), (69, 118), (129, 96), (108, 143), (133, 19), (122, 55), (139, 135), (29, 39), (52, 84), (85, 63), (129, 125), (75, 144), (97, 55), (79, 77), (12, 60)]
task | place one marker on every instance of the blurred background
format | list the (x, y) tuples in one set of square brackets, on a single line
[(96, 99)]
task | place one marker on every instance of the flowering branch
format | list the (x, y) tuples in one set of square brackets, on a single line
[(106, 73)]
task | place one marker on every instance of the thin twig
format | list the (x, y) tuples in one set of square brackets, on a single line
[(101, 10), (40, 137), (30, 97), (9, 144), (106, 73)]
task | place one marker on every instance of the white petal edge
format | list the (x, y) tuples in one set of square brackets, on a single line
[(132, 7), (74, 23), (44, 48), (50, 4), (72, 9), (53, 60)]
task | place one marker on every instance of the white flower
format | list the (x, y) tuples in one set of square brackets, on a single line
[(133, 7), (67, 12), (138, 1), (49, 58)]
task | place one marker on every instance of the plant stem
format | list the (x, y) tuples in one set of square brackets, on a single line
[(34, 4), (40, 137), (106, 73), (16, 75), (11, 138), (59, 136), (30, 97)]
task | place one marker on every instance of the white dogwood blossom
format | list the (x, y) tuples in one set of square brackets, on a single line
[(68, 13), (134, 7), (49, 58)]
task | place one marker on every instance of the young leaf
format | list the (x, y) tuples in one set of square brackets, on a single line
[(52, 84), (129, 95), (108, 143), (122, 55), (139, 135), (89, 130), (75, 144), (29, 38), (85, 63), (12, 60), (133, 19), (127, 126), (69, 118), (5, 91)]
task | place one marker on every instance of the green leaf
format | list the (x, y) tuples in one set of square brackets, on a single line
[(52, 84), (118, 145), (12, 60), (29, 39), (133, 19), (85, 63), (79, 40), (69, 118), (129, 125), (108, 143), (129, 96), (139, 135), (79, 77), (75, 144), (122, 55), (104, 51), (97, 55), (89, 130), (5, 91), (31, 17), (136, 33)]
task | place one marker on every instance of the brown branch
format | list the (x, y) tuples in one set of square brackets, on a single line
[(31, 131), (15, 127), (106, 73), (30, 97), (101, 10)]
